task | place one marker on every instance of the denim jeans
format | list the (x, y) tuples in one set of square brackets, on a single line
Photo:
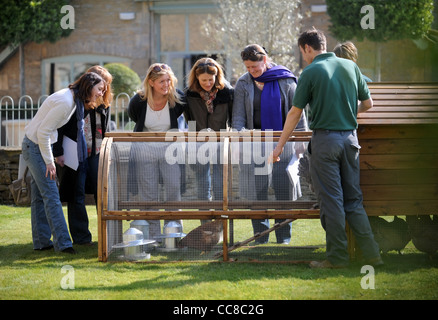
[(335, 171), (281, 186), (47, 216), (204, 181)]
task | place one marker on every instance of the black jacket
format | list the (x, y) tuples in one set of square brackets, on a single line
[(222, 109), (137, 112), (68, 177)]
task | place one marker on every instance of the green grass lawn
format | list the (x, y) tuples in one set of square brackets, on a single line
[(26, 274)]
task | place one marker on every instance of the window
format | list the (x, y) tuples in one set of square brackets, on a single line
[(58, 73)]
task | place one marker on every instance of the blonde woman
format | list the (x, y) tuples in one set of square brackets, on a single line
[(155, 107)]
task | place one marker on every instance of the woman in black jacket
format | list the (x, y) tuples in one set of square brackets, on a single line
[(156, 108), (75, 183), (209, 102)]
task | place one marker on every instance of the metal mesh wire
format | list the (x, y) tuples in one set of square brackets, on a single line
[(167, 178), (188, 176)]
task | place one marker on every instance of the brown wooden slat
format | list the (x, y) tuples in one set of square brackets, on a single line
[(402, 103), (399, 177), (416, 108), (400, 207), (392, 96), (419, 90), (400, 131), (397, 115), (400, 192), (396, 121), (398, 161), (399, 146)]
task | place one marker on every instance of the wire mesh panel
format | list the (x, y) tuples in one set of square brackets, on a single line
[(204, 183)]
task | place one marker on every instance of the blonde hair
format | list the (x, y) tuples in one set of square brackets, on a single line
[(205, 65), (346, 50), (107, 97), (155, 71)]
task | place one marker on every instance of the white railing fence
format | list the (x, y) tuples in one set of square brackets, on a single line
[(15, 115)]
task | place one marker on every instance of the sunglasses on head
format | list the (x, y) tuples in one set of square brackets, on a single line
[(206, 64), (248, 55), (161, 67)]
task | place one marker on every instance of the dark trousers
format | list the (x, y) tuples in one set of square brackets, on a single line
[(77, 212)]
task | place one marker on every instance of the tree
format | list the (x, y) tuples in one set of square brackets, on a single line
[(380, 21), (274, 24), (31, 21)]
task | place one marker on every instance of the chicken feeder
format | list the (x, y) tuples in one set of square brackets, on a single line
[(132, 245), (141, 225), (172, 233)]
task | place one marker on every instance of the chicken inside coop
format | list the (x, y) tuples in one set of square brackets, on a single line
[(204, 237)]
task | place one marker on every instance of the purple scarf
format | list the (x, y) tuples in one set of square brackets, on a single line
[(271, 111)]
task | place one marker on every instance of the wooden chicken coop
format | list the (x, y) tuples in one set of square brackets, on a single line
[(399, 173)]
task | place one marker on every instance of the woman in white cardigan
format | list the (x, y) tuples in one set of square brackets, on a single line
[(46, 209)]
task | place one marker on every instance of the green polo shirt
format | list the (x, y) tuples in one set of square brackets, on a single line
[(332, 87)]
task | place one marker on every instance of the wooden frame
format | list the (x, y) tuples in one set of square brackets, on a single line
[(399, 166)]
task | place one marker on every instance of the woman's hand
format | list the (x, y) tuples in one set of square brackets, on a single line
[(51, 171), (60, 161)]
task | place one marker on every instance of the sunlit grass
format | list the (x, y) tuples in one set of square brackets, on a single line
[(26, 274)]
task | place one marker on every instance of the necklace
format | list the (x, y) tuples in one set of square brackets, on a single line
[(259, 85)]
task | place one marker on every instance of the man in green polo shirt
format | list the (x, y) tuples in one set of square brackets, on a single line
[(332, 87)]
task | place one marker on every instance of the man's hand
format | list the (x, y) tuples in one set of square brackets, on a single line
[(275, 155)]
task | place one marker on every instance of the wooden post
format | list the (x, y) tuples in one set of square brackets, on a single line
[(225, 240)]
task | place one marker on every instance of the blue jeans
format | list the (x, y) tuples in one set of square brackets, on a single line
[(204, 182), (280, 182), (335, 171), (47, 216)]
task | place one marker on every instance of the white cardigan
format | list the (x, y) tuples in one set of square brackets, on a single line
[(55, 111)]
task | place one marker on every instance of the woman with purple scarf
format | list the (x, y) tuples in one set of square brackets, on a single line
[(262, 99)]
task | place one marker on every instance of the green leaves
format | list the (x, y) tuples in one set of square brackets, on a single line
[(393, 19), (25, 20)]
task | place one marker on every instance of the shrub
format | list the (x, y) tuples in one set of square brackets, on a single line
[(124, 79)]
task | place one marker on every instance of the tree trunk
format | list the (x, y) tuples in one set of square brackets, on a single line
[(21, 61), (378, 61)]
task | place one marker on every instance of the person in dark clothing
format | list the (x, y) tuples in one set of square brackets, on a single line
[(74, 183), (209, 100)]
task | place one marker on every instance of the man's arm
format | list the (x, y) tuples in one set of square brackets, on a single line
[(293, 117), (365, 105)]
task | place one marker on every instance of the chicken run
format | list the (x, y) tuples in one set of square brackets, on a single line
[(399, 181)]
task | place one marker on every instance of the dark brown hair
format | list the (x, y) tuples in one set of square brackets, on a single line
[(253, 52), (85, 84), (206, 65), (313, 38)]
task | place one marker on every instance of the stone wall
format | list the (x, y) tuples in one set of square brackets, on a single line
[(9, 161)]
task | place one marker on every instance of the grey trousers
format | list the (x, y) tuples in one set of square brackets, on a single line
[(335, 172), (151, 165)]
